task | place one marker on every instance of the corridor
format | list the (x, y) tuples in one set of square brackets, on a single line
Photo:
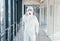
[(46, 11), (42, 36)]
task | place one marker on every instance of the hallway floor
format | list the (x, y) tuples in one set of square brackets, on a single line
[(42, 36)]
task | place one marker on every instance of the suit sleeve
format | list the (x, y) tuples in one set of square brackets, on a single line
[(23, 23), (37, 25)]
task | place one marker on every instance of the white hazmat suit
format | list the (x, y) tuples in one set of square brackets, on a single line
[(31, 25)]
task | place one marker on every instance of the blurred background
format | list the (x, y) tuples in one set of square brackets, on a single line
[(47, 12)]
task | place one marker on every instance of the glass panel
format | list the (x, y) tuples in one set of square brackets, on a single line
[(15, 29), (9, 20), (14, 17), (6, 13), (50, 28), (11, 12), (2, 20), (57, 22), (19, 13), (2, 16), (19, 10), (42, 16), (11, 33), (15, 11), (6, 35), (3, 38), (45, 16)]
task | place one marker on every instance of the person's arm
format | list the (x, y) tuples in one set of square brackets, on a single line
[(37, 26), (23, 26), (23, 23)]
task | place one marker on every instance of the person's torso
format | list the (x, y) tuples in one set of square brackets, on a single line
[(30, 23)]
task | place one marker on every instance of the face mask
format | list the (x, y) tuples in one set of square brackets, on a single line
[(30, 13)]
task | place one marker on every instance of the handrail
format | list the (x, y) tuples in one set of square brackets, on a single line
[(7, 28)]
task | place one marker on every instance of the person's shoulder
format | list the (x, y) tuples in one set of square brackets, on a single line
[(34, 16), (23, 16)]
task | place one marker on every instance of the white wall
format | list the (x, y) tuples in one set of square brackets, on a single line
[(31, 2), (54, 19), (57, 19)]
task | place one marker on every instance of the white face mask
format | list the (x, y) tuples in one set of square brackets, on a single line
[(30, 12)]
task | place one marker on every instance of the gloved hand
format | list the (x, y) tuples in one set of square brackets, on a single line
[(36, 33)]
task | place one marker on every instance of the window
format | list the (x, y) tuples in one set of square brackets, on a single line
[(9, 17), (6, 35), (2, 21), (11, 33), (19, 12)]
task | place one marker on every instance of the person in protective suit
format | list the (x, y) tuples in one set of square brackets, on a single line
[(31, 25)]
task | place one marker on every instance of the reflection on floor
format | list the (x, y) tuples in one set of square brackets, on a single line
[(42, 36)]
